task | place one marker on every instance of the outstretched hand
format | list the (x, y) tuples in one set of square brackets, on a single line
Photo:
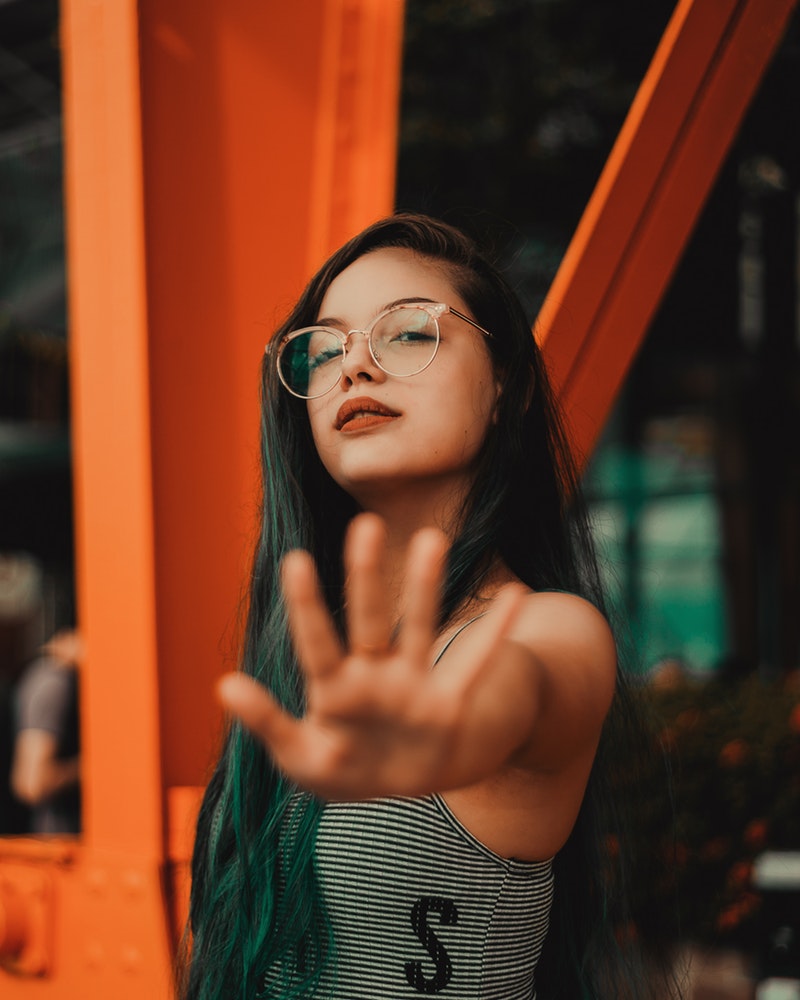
[(379, 720)]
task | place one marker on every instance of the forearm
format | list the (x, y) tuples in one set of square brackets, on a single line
[(37, 783), (37, 772)]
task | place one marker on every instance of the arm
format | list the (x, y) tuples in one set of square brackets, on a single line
[(36, 772), (524, 690), (45, 759)]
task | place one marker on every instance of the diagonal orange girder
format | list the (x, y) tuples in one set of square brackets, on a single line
[(679, 128)]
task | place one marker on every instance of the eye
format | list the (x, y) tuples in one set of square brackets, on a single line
[(322, 358), (412, 337), (407, 328), (322, 349)]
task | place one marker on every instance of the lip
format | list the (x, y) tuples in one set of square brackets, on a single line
[(362, 404)]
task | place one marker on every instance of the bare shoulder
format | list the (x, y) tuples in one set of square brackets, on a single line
[(573, 647), (568, 621)]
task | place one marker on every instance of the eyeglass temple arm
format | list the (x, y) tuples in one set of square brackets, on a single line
[(471, 322)]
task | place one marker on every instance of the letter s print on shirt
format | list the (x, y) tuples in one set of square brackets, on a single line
[(448, 915)]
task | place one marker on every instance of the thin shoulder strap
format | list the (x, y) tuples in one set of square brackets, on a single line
[(455, 635)]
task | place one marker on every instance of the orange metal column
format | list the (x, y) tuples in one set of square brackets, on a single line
[(91, 912), (269, 135), (644, 207), (111, 428)]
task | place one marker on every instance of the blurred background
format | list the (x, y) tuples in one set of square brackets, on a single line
[(508, 112), (36, 512)]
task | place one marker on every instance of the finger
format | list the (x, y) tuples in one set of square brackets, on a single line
[(369, 627), (422, 594), (255, 707), (313, 634), (301, 756)]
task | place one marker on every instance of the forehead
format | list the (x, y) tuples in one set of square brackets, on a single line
[(370, 283)]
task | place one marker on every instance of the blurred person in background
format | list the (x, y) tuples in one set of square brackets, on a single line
[(21, 633), (45, 770)]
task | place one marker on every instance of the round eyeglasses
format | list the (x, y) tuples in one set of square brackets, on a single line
[(403, 340)]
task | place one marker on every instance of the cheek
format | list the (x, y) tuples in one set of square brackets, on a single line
[(484, 400), (468, 417), (482, 382)]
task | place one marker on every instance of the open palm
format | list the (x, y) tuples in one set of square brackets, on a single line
[(379, 721)]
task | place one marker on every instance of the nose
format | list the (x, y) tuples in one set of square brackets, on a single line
[(358, 364)]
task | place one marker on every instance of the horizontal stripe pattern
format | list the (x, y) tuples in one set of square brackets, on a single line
[(419, 906)]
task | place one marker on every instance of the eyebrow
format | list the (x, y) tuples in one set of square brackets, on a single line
[(335, 321)]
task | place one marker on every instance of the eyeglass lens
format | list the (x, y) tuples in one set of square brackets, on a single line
[(403, 343)]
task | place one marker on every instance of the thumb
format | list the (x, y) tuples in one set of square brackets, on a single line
[(255, 707)]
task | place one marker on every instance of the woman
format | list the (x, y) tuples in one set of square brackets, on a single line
[(411, 800)]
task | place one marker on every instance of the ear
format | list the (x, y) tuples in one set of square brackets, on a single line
[(498, 392)]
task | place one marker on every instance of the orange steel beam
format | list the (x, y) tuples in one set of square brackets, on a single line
[(355, 145), (644, 207), (111, 434), (270, 135), (262, 150), (89, 913)]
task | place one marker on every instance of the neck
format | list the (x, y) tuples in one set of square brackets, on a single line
[(407, 508)]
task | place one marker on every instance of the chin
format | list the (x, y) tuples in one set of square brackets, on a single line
[(354, 481), (376, 468), (370, 488)]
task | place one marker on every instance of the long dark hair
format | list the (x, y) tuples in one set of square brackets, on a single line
[(255, 908)]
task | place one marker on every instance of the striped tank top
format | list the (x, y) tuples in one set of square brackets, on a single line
[(419, 906)]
